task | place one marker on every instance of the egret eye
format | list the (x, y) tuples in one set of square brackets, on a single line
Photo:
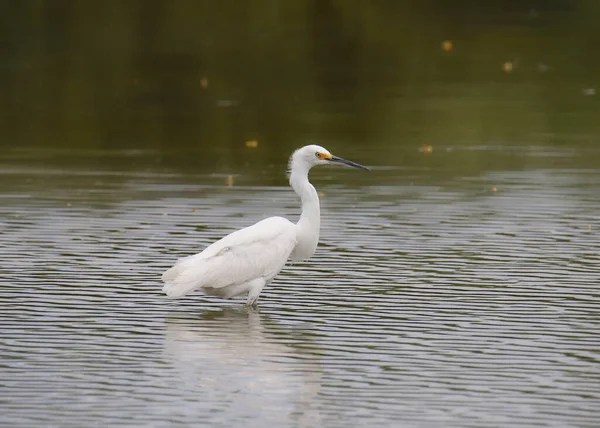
[(319, 155)]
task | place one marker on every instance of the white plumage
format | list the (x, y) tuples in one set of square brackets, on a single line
[(245, 261)]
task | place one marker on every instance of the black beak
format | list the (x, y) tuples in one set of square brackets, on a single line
[(335, 159)]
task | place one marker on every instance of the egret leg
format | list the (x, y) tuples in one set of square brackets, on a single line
[(254, 288)]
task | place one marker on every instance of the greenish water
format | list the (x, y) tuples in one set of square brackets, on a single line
[(455, 285), (203, 75)]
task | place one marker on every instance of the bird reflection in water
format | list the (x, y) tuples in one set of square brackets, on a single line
[(238, 360)]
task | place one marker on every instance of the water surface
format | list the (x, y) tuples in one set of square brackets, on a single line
[(437, 296)]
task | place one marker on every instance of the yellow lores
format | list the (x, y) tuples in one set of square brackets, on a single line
[(323, 156)]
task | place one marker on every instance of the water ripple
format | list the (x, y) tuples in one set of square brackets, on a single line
[(449, 305)]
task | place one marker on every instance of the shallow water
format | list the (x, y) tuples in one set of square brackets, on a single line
[(437, 297)]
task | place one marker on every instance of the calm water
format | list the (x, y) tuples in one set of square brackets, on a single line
[(436, 298)]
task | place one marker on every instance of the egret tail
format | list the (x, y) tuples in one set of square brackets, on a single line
[(182, 278)]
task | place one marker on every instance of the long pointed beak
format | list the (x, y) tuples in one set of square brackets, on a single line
[(335, 159)]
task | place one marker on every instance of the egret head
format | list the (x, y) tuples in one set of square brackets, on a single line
[(309, 156)]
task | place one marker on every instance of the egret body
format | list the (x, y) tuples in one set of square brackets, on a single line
[(246, 260)]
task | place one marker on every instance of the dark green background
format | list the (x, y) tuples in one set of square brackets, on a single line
[(128, 74)]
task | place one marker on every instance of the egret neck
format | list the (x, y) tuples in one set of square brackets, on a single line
[(310, 222)]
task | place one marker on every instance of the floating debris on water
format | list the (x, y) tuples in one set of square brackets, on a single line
[(447, 45), (426, 148)]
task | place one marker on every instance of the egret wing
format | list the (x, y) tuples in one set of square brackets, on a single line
[(258, 251)]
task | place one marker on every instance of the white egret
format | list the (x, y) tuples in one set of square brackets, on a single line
[(245, 261)]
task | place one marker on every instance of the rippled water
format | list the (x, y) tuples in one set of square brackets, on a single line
[(435, 298)]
